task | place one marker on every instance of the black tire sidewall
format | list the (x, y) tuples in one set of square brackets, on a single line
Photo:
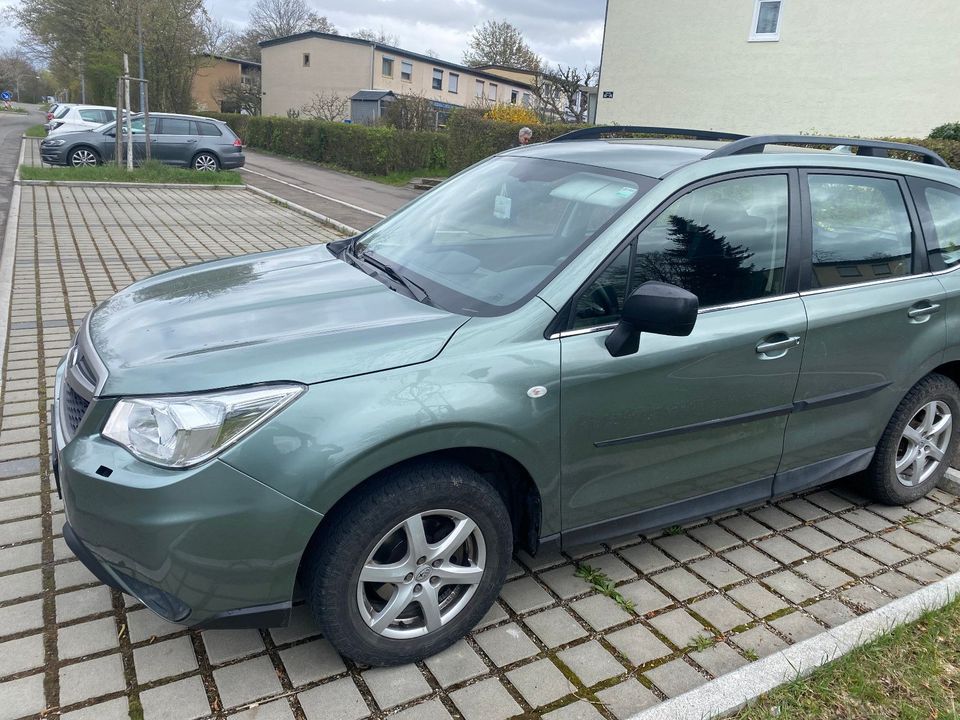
[(196, 157), (73, 152), (885, 484), (332, 595)]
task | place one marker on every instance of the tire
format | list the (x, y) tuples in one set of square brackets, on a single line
[(373, 534), (205, 162), (83, 157), (913, 440)]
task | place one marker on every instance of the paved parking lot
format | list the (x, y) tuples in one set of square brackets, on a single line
[(698, 601)]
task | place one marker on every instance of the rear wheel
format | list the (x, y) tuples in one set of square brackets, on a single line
[(206, 162), (918, 444), (411, 565), (83, 157)]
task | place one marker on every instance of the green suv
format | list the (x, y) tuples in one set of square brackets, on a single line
[(568, 341)]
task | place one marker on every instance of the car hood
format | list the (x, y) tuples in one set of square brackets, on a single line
[(301, 315)]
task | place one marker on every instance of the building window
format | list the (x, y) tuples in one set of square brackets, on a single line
[(406, 71), (437, 79), (478, 92), (492, 92), (306, 59), (386, 67), (513, 97), (526, 99), (453, 82), (766, 21)]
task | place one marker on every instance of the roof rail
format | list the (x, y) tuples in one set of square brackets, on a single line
[(867, 148), (592, 133)]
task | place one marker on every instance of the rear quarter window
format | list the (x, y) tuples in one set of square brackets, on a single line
[(944, 205), (208, 129)]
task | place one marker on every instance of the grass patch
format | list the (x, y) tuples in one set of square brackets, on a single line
[(397, 178), (13, 109), (600, 581), (911, 673), (153, 172), (35, 131)]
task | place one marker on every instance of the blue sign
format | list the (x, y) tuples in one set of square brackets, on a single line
[(5, 95)]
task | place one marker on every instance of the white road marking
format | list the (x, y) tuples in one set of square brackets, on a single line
[(312, 192)]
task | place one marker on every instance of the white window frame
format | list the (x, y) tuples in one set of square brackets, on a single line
[(479, 89), (437, 79), (453, 82), (765, 37), (383, 60), (492, 89), (406, 63)]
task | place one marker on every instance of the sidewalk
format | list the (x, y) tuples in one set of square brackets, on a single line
[(707, 599)]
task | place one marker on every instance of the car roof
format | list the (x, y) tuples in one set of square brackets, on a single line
[(91, 107), (181, 115), (659, 157)]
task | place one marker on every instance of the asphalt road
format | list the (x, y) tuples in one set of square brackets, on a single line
[(350, 200), (12, 126)]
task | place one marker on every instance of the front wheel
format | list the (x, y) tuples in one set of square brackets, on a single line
[(83, 157), (410, 565), (206, 162), (918, 444)]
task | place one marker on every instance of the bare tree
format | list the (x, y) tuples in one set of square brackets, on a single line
[(243, 96), (500, 43), (380, 36), (219, 37), (277, 18), (411, 112), (327, 106), (560, 94)]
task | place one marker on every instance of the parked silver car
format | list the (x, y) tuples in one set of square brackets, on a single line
[(183, 140)]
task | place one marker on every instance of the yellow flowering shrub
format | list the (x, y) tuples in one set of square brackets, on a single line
[(518, 114)]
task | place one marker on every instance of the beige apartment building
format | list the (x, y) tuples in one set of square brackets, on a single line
[(216, 71), (875, 68), (297, 67)]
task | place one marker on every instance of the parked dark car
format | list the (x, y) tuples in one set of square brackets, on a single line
[(183, 140)]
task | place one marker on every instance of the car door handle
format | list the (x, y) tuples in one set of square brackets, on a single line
[(922, 311), (192, 140), (777, 348)]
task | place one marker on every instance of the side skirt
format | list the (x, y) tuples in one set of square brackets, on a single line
[(694, 508)]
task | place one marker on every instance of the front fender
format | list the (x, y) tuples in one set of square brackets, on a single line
[(341, 433)]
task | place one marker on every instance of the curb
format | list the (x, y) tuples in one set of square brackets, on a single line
[(8, 253), (335, 224), (736, 689), (951, 481)]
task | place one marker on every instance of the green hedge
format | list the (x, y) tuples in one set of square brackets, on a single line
[(949, 150), (374, 150), (949, 131), (472, 138)]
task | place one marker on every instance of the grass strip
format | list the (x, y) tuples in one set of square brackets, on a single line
[(911, 673), (153, 172)]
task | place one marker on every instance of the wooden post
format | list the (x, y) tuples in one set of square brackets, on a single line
[(126, 98), (146, 118), (116, 128)]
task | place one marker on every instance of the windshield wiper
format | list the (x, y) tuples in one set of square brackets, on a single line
[(416, 292)]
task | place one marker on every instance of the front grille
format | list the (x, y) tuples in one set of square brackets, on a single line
[(74, 408)]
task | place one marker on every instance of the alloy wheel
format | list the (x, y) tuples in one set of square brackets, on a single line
[(83, 158), (205, 163), (421, 574), (924, 442)]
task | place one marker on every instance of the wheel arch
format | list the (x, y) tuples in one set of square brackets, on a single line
[(950, 369), (84, 146), (206, 151), (508, 476)]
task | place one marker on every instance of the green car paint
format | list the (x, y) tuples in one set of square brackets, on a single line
[(682, 427)]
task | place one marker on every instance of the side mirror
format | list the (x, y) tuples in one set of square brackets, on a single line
[(654, 307)]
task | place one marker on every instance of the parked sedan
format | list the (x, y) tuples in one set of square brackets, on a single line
[(182, 140), (81, 117)]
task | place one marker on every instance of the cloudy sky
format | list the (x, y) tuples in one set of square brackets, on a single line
[(564, 31)]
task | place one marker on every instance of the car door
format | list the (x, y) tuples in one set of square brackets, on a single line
[(176, 141), (687, 425), (90, 118), (876, 321), (108, 142)]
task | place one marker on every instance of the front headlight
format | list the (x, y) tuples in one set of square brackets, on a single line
[(55, 141), (180, 431)]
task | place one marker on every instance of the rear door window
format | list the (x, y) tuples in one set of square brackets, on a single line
[(96, 116), (944, 206), (175, 126), (861, 230)]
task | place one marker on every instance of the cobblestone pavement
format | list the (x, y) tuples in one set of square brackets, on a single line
[(700, 601)]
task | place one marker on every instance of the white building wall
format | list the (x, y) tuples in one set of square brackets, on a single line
[(874, 68)]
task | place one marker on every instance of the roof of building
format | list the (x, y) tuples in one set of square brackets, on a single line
[(390, 49), (371, 94), (239, 61), (509, 68)]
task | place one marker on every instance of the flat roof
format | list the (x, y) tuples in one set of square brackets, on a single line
[(239, 61), (390, 49)]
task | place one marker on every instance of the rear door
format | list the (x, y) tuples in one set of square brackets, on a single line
[(176, 141), (876, 321), (687, 424)]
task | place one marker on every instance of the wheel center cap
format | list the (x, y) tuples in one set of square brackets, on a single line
[(422, 573)]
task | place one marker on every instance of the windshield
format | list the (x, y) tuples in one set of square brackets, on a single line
[(487, 240)]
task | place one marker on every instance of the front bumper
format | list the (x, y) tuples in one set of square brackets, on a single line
[(53, 155), (209, 546)]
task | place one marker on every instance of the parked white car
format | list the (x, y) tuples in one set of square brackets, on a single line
[(81, 117)]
